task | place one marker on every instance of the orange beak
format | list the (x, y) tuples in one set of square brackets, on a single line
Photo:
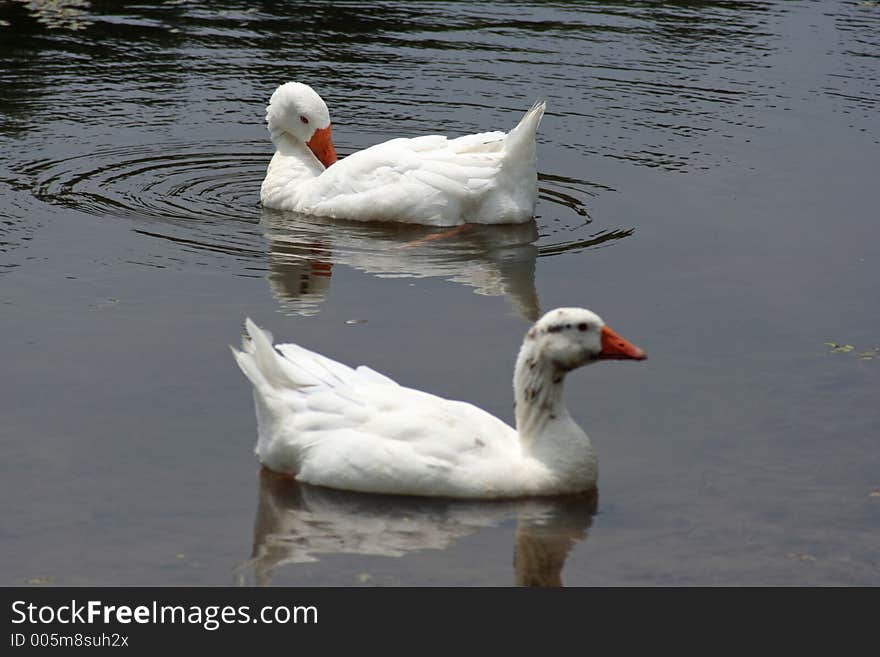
[(616, 347), (322, 146)]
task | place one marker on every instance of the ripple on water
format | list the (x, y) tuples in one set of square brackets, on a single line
[(17, 228), (493, 260), (203, 200), (208, 200)]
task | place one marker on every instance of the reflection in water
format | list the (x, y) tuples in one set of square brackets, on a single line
[(494, 260), (205, 200), (59, 14), (297, 523), (151, 116)]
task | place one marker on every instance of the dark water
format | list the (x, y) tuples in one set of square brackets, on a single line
[(708, 184)]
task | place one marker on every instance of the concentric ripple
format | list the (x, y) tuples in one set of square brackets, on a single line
[(15, 232), (203, 199), (208, 200), (205, 202), (563, 218)]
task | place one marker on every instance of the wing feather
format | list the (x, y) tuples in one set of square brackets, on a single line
[(333, 425), (425, 176)]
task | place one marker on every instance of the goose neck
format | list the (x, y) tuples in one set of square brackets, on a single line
[(538, 386)]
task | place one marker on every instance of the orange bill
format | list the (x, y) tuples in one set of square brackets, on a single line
[(322, 146), (616, 347)]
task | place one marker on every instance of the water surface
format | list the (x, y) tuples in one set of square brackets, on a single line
[(708, 185)]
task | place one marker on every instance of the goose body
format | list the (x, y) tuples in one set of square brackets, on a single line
[(486, 178), (327, 424)]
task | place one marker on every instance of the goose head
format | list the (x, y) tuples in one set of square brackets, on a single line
[(568, 338), (297, 111), (561, 341)]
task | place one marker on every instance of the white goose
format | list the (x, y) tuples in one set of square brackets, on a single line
[(487, 178), (330, 425)]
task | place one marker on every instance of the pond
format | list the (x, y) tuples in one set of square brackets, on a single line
[(708, 182)]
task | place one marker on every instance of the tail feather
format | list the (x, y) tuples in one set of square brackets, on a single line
[(273, 377), (259, 361), (520, 157), (285, 366), (284, 377), (524, 132)]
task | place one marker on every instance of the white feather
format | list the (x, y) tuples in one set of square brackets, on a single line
[(488, 178), (328, 424)]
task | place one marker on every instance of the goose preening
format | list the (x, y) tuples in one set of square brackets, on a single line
[(327, 424), (486, 178)]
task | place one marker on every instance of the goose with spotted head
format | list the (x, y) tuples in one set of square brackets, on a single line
[(485, 178), (327, 424)]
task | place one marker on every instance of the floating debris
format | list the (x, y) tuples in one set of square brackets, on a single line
[(868, 354), (103, 305), (355, 321)]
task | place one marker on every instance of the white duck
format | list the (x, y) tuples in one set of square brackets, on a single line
[(330, 425), (487, 178)]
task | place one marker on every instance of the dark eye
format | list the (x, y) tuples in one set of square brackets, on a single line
[(583, 326), (303, 119)]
